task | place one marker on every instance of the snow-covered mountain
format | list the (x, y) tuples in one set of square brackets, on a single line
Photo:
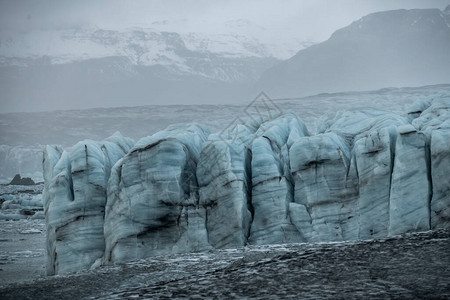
[(92, 67), (143, 46), (390, 48), (179, 53)]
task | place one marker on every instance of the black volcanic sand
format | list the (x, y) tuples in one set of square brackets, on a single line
[(22, 251), (412, 266)]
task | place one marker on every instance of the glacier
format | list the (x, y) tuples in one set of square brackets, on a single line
[(152, 205), (272, 186), (361, 174), (74, 201)]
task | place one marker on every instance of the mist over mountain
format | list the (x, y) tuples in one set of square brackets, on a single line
[(92, 67), (384, 49), (86, 67)]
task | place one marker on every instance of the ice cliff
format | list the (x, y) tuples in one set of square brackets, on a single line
[(74, 201), (152, 205), (365, 174)]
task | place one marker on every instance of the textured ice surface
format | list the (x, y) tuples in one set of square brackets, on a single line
[(325, 190), (355, 124), (367, 173), (440, 176), (272, 184), (224, 179), (373, 156), (153, 206), (74, 201), (434, 122), (410, 185)]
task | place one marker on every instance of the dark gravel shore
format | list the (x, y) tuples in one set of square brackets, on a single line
[(412, 266)]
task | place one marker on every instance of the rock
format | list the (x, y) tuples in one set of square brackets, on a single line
[(17, 180), (27, 212)]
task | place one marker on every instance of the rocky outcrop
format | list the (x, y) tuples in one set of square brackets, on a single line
[(18, 180), (365, 174)]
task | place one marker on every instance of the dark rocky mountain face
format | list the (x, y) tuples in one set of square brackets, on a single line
[(392, 48), (17, 180)]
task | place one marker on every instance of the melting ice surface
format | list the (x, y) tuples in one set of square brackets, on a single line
[(364, 174)]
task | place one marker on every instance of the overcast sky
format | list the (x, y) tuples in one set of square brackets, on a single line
[(306, 19)]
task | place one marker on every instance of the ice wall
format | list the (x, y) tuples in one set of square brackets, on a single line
[(272, 183), (434, 123), (365, 174), (153, 205), (224, 178), (74, 201)]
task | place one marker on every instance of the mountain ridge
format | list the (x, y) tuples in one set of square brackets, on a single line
[(79, 68), (391, 48)]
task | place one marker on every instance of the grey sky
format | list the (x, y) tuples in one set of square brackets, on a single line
[(310, 19)]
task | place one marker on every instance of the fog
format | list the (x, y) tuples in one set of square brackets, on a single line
[(58, 55), (311, 19)]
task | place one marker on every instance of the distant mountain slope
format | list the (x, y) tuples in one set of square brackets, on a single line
[(391, 48), (210, 56), (82, 68), (85, 67), (116, 81)]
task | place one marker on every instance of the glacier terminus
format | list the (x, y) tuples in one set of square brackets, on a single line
[(363, 174)]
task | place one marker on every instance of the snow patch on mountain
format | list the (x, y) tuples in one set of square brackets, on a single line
[(143, 46)]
